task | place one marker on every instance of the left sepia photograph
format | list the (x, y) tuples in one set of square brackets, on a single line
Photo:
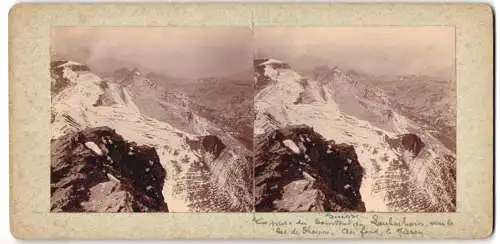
[(151, 119)]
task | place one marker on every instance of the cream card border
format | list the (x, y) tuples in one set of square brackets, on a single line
[(29, 38)]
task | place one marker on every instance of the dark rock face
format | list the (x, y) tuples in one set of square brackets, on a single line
[(406, 142), (96, 170), (57, 73), (212, 144), (296, 169), (261, 79), (209, 144), (412, 143), (105, 99), (259, 72)]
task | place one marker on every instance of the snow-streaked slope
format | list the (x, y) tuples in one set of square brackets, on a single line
[(394, 180), (192, 184), (231, 171)]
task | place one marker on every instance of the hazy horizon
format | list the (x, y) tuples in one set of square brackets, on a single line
[(187, 52), (200, 52), (388, 51)]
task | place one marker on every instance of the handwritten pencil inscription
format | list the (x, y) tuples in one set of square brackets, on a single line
[(352, 225)]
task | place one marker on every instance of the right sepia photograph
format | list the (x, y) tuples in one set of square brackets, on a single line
[(355, 119)]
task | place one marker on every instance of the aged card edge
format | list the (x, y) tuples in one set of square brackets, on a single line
[(21, 229)]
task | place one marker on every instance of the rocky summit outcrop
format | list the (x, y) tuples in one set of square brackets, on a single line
[(208, 147), (62, 72), (412, 143), (408, 142), (97, 170), (212, 144), (262, 77), (296, 169)]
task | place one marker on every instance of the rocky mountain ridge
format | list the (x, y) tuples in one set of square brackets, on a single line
[(193, 182), (297, 170), (407, 169), (225, 103), (427, 102), (319, 142), (96, 170)]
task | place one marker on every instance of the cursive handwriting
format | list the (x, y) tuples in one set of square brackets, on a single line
[(352, 225), (390, 221)]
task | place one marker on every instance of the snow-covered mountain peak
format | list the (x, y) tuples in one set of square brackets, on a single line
[(267, 61), (342, 109), (198, 165), (276, 70)]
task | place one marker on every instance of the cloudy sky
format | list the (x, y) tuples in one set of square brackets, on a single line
[(194, 52), (177, 52), (374, 50)]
